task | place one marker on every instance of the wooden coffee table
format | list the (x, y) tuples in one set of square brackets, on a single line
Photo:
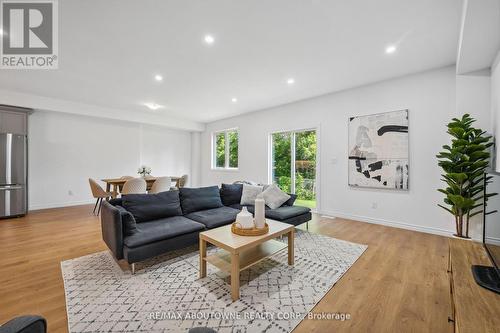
[(243, 251)]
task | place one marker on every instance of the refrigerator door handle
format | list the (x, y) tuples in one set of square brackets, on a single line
[(8, 188)]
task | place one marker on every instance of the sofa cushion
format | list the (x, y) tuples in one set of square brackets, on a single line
[(230, 194), (153, 231), (215, 217), (128, 221), (148, 207), (290, 201), (236, 206), (116, 201), (249, 194), (202, 198), (285, 212), (274, 196)]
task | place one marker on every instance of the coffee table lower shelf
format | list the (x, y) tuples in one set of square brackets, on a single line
[(240, 252), (247, 258)]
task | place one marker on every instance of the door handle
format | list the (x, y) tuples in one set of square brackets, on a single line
[(8, 188)]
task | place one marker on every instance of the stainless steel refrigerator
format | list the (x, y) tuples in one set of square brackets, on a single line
[(13, 174)]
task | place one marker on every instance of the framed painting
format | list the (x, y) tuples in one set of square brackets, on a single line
[(378, 150)]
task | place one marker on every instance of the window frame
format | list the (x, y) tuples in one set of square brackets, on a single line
[(226, 166)]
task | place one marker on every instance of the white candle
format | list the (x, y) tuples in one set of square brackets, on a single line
[(260, 212)]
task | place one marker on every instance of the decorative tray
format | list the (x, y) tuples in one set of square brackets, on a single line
[(249, 232)]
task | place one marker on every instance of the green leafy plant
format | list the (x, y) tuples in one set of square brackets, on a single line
[(464, 164)]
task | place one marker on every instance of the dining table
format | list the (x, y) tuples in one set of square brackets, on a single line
[(114, 185)]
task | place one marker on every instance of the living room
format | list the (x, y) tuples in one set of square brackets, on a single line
[(250, 166)]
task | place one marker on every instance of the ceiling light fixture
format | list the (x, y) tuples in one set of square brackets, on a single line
[(153, 106), (209, 39), (390, 49), (1, 32), (158, 77), (290, 81), (234, 100)]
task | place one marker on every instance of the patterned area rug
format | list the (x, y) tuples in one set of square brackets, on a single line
[(166, 295)]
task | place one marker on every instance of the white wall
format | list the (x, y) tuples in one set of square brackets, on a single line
[(195, 177), (431, 100), (473, 95), (65, 150), (495, 105)]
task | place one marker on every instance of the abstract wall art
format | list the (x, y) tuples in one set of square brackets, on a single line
[(378, 150)]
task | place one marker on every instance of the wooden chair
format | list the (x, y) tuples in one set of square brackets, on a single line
[(98, 193), (135, 185), (161, 184)]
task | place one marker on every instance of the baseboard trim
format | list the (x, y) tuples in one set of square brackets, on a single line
[(493, 240), (395, 224), (61, 204)]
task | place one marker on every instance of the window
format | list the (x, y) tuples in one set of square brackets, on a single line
[(225, 149), (293, 163)]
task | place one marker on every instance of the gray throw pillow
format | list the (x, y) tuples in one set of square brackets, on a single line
[(249, 194), (274, 196), (128, 221)]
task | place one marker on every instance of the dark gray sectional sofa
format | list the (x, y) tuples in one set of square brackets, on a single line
[(140, 226)]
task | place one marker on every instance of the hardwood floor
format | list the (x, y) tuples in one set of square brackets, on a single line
[(398, 285)]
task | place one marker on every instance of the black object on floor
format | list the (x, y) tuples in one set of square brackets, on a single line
[(487, 277), (25, 324)]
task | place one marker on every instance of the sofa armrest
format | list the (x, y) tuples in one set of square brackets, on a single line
[(112, 229)]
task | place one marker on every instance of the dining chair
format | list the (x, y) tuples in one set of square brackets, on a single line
[(134, 185), (183, 181), (98, 193), (120, 187), (161, 184)]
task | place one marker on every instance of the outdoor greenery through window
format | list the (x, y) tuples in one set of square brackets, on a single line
[(226, 149), (294, 164)]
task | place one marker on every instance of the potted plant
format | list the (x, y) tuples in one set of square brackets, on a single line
[(144, 171), (464, 164)]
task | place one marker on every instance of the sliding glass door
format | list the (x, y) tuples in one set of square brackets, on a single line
[(293, 162)]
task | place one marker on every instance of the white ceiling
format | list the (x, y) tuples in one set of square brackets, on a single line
[(110, 50)]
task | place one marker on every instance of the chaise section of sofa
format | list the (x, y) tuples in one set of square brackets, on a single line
[(287, 213)]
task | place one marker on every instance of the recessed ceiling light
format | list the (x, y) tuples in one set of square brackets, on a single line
[(234, 100), (290, 81), (390, 49), (154, 106), (209, 39), (158, 77)]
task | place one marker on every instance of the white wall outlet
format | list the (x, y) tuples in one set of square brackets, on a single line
[(70, 192), (374, 205)]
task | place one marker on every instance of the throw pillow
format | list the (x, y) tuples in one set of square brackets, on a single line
[(249, 194), (128, 221), (147, 207), (290, 201), (202, 198), (230, 194), (274, 196)]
